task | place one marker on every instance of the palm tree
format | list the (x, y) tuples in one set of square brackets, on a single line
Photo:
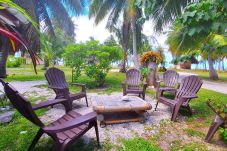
[(100, 9), (43, 12), (163, 12), (122, 33)]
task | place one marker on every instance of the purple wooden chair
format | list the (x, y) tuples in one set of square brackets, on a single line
[(188, 88), (57, 82), (132, 83), (170, 81), (219, 121), (63, 131)]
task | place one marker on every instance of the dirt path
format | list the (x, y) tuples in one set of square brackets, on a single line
[(209, 85), (25, 86)]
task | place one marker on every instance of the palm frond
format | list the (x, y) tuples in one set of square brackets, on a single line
[(75, 6), (58, 11), (166, 11), (115, 13), (103, 10)]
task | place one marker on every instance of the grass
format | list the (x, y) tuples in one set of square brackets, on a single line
[(191, 146), (138, 144), (205, 74), (112, 82), (192, 132)]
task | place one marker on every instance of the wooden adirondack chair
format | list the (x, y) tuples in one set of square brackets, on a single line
[(170, 81), (57, 82), (219, 121), (64, 131), (132, 83), (188, 88)]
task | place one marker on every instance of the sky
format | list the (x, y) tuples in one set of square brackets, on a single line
[(86, 28)]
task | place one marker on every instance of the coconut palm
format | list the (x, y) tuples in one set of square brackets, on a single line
[(42, 12), (122, 33), (99, 9), (163, 12)]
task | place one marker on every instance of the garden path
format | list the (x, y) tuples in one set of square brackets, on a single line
[(209, 85)]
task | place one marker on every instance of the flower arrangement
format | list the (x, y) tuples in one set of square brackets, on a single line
[(150, 56)]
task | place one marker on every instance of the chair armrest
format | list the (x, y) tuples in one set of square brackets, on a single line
[(71, 124), (83, 86), (189, 96), (79, 84), (48, 103)]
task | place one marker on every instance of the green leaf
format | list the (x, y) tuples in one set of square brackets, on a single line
[(215, 26), (192, 31)]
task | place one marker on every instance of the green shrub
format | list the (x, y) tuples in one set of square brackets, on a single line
[(145, 71), (98, 66), (92, 57), (224, 134), (13, 62)]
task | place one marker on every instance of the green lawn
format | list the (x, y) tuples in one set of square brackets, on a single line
[(205, 74)]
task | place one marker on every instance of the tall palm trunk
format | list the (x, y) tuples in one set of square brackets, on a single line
[(135, 56), (4, 51), (124, 43), (212, 72), (124, 59)]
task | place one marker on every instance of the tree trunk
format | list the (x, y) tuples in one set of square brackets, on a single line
[(46, 63), (4, 51), (124, 43), (124, 59), (135, 55), (212, 72)]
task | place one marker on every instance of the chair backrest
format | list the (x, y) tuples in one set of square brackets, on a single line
[(170, 78), (56, 78), (190, 85), (133, 78), (21, 103)]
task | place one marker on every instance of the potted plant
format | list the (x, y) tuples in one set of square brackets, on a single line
[(151, 59)]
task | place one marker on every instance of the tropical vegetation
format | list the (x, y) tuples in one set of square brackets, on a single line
[(93, 58), (202, 27)]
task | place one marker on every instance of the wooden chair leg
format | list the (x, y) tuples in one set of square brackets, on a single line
[(86, 100), (143, 96), (156, 106), (97, 133), (175, 112), (62, 147), (212, 130), (36, 139)]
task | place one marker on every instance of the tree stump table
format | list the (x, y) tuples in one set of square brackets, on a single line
[(126, 109)]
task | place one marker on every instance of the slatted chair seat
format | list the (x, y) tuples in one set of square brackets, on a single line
[(170, 81), (132, 83), (188, 88), (72, 133), (64, 130), (57, 82), (167, 101)]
